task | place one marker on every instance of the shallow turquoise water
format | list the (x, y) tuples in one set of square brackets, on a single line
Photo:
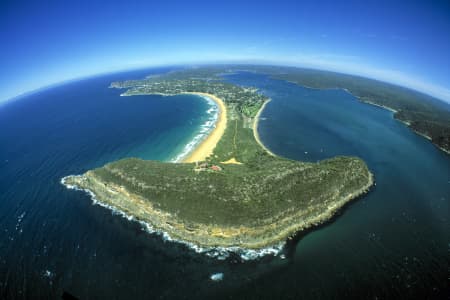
[(392, 243)]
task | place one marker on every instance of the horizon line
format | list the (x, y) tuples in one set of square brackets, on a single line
[(212, 63)]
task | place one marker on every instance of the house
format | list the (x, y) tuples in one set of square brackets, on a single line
[(215, 168)]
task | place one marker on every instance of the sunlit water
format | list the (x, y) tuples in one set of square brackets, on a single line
[(392, 243)]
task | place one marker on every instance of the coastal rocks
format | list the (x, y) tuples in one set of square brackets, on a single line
[(263, 233), (250, 206)]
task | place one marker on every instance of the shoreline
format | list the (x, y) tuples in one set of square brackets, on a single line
[(394, 111), (209, 239), (375, 104), (255, 128), (206, 147), (267, 234), (217, 252), (406, 123)]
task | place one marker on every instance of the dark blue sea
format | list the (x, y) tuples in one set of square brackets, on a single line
[(393, 243)]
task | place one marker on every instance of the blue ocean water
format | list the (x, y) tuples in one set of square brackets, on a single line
[(393, 243)]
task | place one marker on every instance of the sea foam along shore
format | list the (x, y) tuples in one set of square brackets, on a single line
[(206, 146), (206, 140), (205, 130), (220, 253)]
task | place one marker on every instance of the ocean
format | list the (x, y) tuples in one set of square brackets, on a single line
[(392, 243)]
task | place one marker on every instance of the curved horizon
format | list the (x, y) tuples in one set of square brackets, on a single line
[(443, 96), (49, 42)]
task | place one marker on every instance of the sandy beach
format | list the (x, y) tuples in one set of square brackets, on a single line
[(255, 128), (206, 147)]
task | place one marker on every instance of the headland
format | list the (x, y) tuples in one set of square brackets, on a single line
[(231, 192)]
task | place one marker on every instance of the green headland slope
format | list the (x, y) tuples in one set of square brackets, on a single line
[(257, 200)]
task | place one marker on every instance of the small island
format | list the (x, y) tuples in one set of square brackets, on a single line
[(230, 191)]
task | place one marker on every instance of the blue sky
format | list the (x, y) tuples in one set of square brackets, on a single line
[(46, 42)]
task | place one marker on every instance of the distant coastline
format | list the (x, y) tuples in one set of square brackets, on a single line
[(406, 123), (423, 114)]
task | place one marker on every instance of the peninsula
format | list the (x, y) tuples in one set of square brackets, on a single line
[(231, 191)]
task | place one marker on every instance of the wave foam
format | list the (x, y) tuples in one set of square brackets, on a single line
[(216, 276), (205, 129)]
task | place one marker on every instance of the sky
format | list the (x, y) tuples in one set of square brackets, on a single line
[(47, 42)]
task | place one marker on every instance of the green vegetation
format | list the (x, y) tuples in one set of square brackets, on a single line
[(248, 206), (255, 204), (244, 101)]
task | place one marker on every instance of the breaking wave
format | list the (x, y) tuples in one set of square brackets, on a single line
[(205, 129)]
